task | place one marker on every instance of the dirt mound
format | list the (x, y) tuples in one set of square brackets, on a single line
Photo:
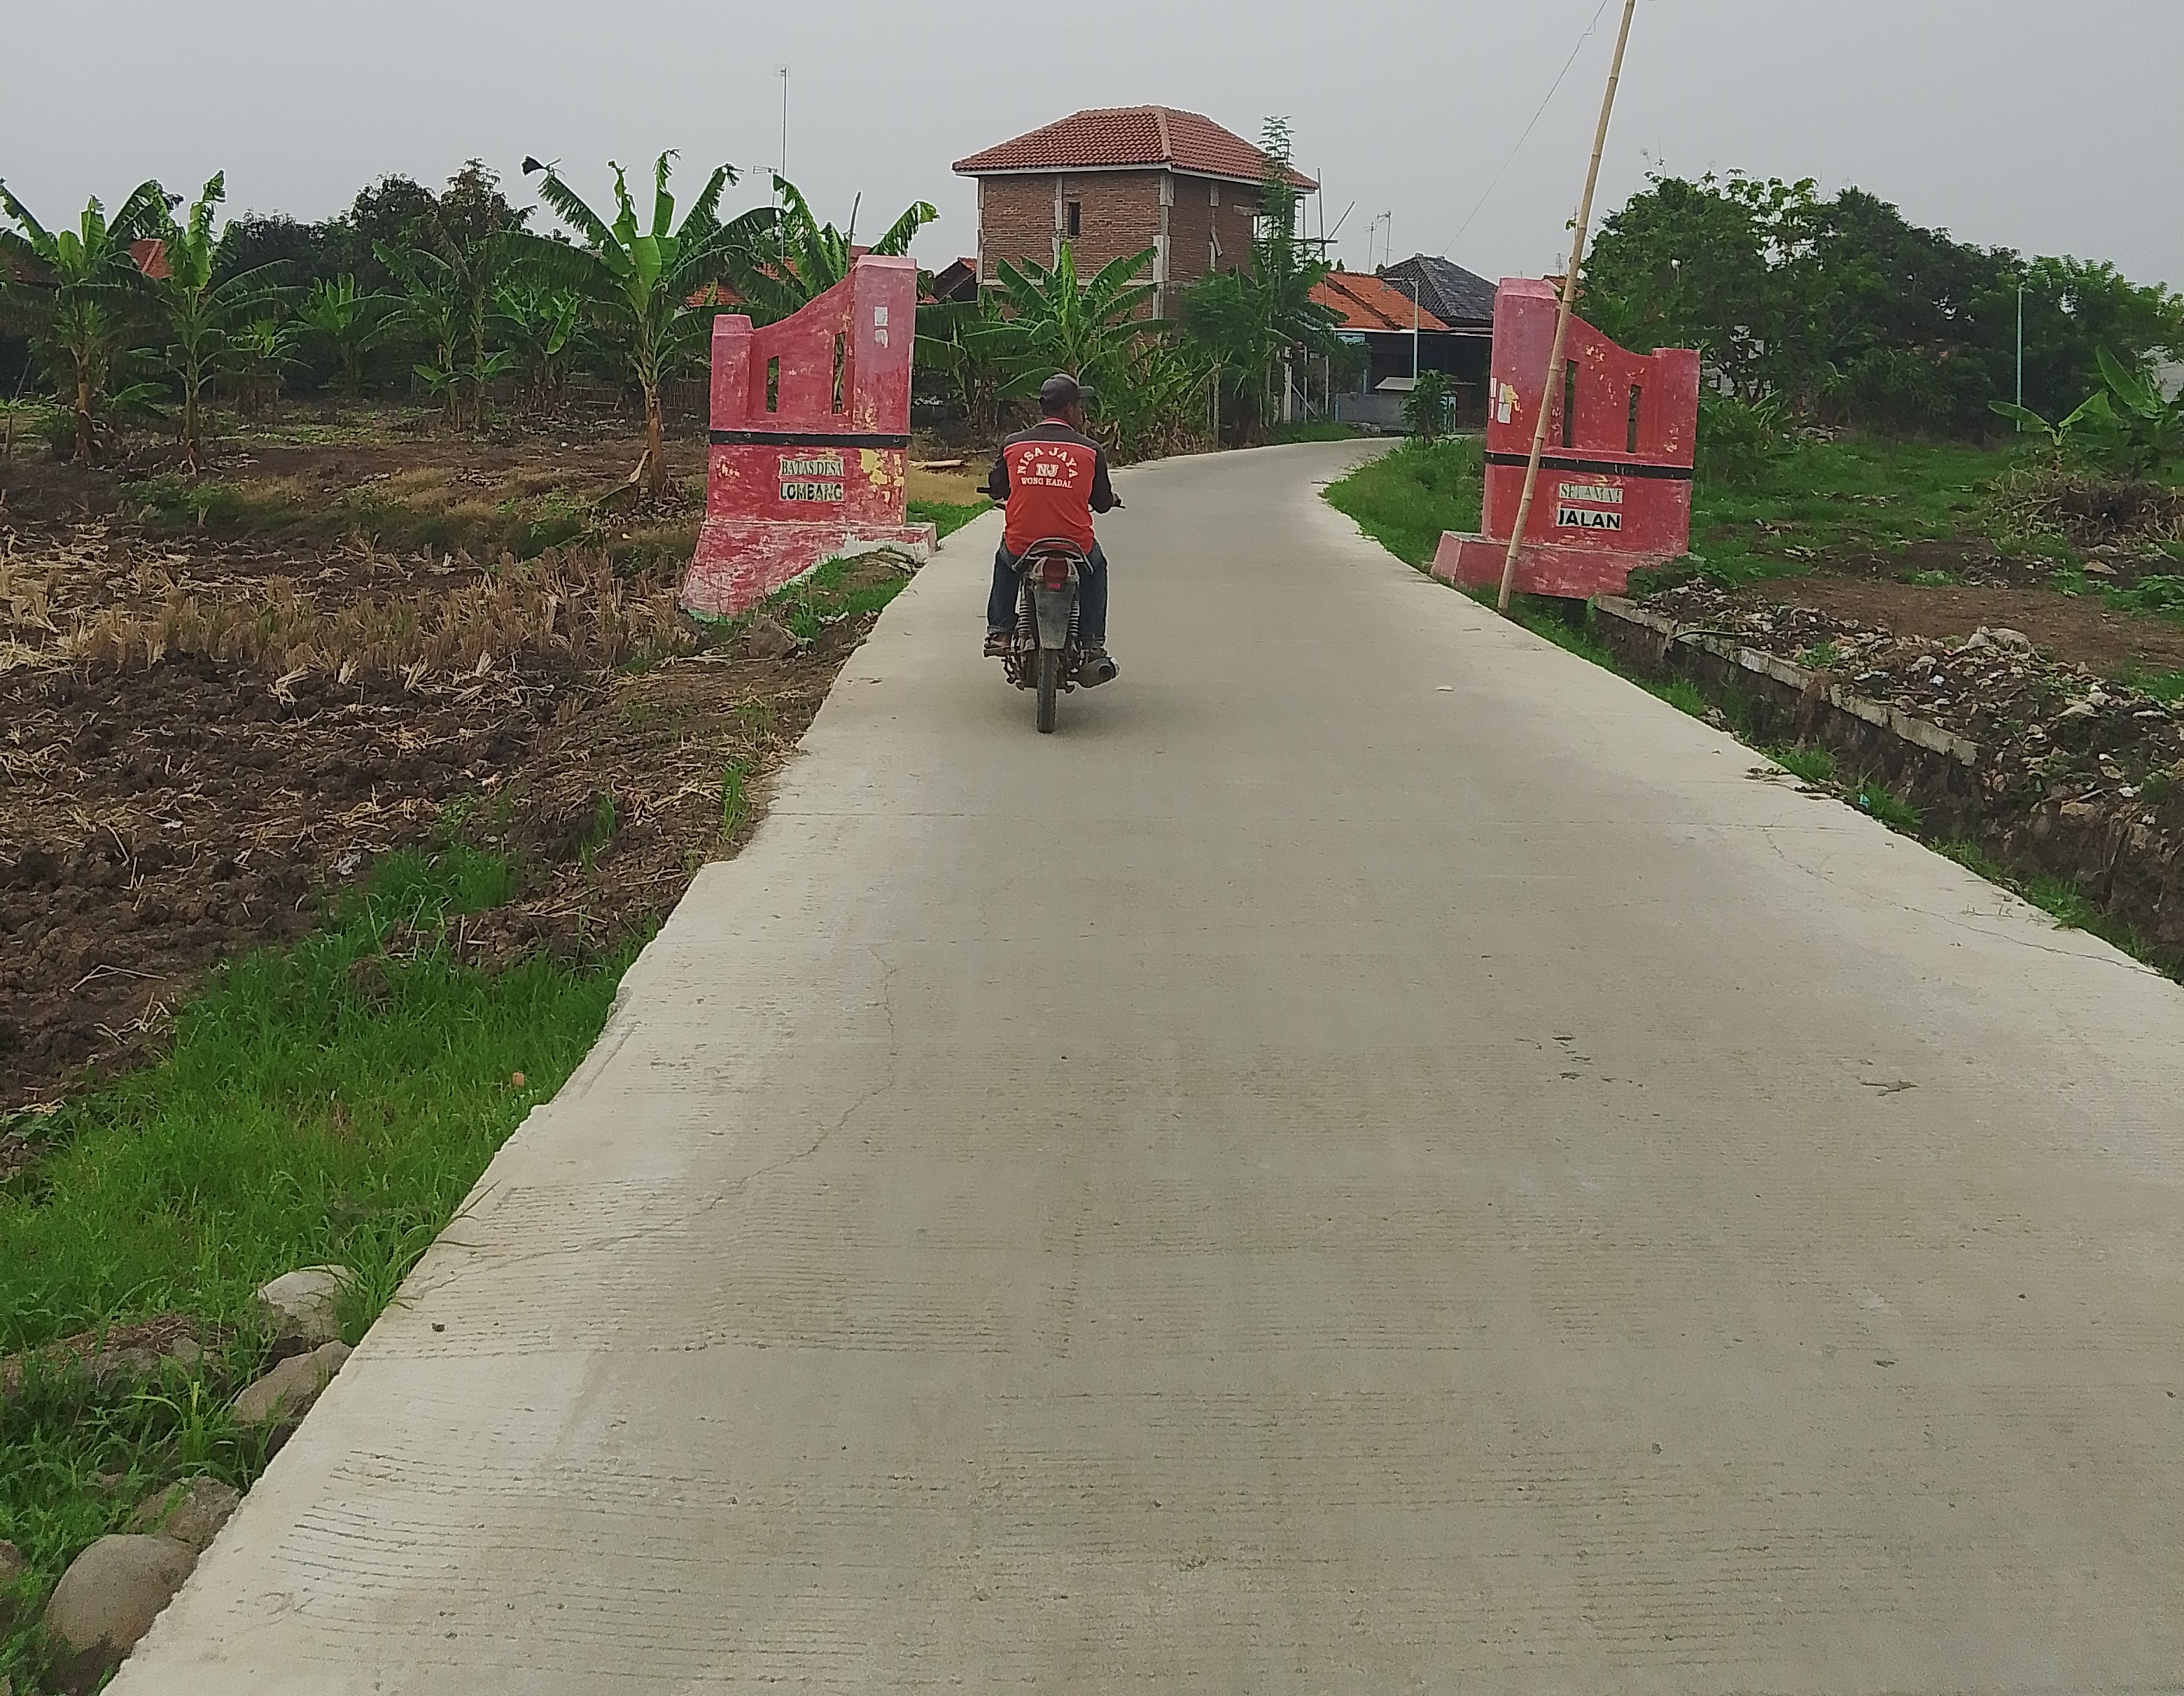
[(2090, 510), (2081, 630)]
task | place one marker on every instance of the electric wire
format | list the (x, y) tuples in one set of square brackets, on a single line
[(1589, 28)]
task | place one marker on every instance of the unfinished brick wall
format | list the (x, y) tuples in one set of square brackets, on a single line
[(1118, 214), (1205, 209), (1016, 222)]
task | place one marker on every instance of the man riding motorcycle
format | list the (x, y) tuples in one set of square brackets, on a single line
[(1053, 479)]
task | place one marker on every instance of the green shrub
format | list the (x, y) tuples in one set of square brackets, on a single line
[(1739, 440)]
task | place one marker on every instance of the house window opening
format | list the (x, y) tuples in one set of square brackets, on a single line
[(1072, 218)]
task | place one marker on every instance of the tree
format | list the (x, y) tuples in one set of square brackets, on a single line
[(199, 312), (2128, 428), (457, 251), (348, 320), (1729, 266), (806, 258), (1425, 408), (538, 322), (1843, 306), (1248, 319), (960, 342), (430, 310), (637, 280), (78, 295), (1146, 390), (260, 354), (1049, 321)]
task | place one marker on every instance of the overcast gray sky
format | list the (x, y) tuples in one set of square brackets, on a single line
[(2047, 126)]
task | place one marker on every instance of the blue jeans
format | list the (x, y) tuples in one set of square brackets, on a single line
[(1091, 598)]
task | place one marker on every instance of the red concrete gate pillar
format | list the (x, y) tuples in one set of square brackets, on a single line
[(811, 440), (1615, 486)]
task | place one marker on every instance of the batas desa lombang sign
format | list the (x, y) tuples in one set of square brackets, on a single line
[(811, 440)]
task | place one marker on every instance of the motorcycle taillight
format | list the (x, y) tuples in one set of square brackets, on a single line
[(1054, 574)]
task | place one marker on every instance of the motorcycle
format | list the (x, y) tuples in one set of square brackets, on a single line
[(1047, 651)]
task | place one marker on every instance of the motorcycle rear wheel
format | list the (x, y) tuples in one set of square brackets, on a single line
[(1049, 678)]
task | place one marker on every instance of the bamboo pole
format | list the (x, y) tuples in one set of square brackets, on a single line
[(1562, 317)]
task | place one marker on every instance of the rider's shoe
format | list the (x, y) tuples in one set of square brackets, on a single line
[(1094, 668), (1000, 644)]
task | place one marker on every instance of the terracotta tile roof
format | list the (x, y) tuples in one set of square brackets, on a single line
[(1369, 303), (1117, 137)]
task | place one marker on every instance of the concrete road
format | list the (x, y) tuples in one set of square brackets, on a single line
[(1381, 1158)]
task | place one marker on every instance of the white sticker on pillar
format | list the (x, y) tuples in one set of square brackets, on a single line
[(879, 318)]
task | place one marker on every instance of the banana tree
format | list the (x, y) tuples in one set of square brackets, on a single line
[(260, 352), (539, 324), (960, 340), (2129, 428), (637, 280), (806, 258), (431, 311), (79, 297), (1051, 321), (349, 320), (199, 313)]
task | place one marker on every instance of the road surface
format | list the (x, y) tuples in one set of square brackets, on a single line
[(1381, 1158)]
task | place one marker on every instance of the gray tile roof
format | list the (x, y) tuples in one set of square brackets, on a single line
[(1452, 294)]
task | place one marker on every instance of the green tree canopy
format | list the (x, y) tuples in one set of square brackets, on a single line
[(199, 311), (1247, 318), (1839, 304)]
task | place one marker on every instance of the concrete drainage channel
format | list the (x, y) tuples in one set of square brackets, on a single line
[(2131, 874)]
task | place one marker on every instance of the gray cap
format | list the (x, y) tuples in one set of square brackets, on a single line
[(1058, 393)]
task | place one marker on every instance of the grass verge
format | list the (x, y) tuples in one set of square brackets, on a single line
[(1854, 496), (947, 516), (1405, 498), (333, 1102), (1844, 498)]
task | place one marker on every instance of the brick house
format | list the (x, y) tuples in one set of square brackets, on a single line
[(1115, 182)]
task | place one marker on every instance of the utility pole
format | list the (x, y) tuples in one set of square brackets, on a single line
[(1552, 383), (782, 71), (2021, 346)]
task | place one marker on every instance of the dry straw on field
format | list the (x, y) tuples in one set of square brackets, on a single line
[(2091, 511), (560, 612)]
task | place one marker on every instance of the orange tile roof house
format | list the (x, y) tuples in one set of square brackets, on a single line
[(1372, 303), (1390, 317), (1114, 182)]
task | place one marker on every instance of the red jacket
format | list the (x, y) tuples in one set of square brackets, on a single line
[(1054, 480)]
